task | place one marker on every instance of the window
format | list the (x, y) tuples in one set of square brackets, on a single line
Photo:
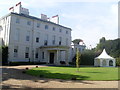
[(17, 20), (45, 42), (60, 30), (27, 38), (27, 52), (16, 51), (46, 26), (38, 25), (66, 32), (28, 22), (37, 39), (42, 55), (17, 35), (36, 55), (66, 41), (53, 41), (60, 40), (53, 28)]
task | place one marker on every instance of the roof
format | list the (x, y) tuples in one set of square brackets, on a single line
[(35, 18), (104, 55)]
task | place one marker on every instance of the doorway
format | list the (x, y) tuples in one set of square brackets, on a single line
[(51, 58)]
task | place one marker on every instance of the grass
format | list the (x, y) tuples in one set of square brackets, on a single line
[(85, 73)]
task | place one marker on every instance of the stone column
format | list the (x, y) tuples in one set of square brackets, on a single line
[(57, 57), (66, 57)]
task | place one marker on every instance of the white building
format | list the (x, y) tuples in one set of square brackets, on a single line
[(32, 39)]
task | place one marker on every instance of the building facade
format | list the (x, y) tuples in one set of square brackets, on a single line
[(32, 39)]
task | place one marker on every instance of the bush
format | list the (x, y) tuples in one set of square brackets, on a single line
[(118, 61), (4, 55), (62, 62)]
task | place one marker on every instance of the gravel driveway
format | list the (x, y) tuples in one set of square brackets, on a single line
[(12, 77)]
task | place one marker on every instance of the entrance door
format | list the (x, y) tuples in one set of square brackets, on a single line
[(51, 58)]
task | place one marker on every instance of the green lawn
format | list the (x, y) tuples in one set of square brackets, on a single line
[(85, 73)]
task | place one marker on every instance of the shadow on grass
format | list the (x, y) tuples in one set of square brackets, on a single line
[(14, 73), (48, 74)]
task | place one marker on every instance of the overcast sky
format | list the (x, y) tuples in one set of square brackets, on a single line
[(89, 19)]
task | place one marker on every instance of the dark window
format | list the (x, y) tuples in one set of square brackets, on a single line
[(26, 55), (59, 42), (53, 28), (42, 55), (46, 26), (66, 32), (37, 39), (60, 30), (45, 42), (27, 38), (36, 55)]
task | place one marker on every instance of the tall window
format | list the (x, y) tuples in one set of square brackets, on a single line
[(16, 51), (17, 20), (17, 35), (28, 22), (66, 32), (53, 28), (46, 40), (28, 36), (27, 52), (37, 39), (46, 26), (60, 30), (36, 54), (38, 25), (60, 40), (53, 41), (42, 55), (66, 41)]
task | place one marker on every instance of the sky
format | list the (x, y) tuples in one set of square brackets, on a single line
[(89, 20)]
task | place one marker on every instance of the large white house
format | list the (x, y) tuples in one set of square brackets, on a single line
[(32, 39)]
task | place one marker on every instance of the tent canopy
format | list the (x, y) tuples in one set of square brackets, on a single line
[(104, 55)]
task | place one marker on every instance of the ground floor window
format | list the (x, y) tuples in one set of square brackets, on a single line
[(42, 55)]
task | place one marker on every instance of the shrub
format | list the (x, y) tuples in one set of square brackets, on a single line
[(62, 62), (118, 61)]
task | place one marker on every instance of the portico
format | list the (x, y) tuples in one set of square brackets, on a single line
[(54, 54)]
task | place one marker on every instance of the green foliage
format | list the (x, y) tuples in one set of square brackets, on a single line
[(4, 55), (87, 57), (77, 59), (77, 41), (118, 61), (112, 47)]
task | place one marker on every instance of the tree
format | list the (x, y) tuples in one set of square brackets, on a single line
[(77, 41), (78, 59)]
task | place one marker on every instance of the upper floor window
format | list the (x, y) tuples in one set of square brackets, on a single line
[(38, 25), (53, 28), (37, 39), (60, 30), (66, 32), (27, 38), (28, 22), (17, 20), (46, 26)]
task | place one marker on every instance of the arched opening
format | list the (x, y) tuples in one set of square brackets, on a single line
[(104, 63), (110, 63)]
